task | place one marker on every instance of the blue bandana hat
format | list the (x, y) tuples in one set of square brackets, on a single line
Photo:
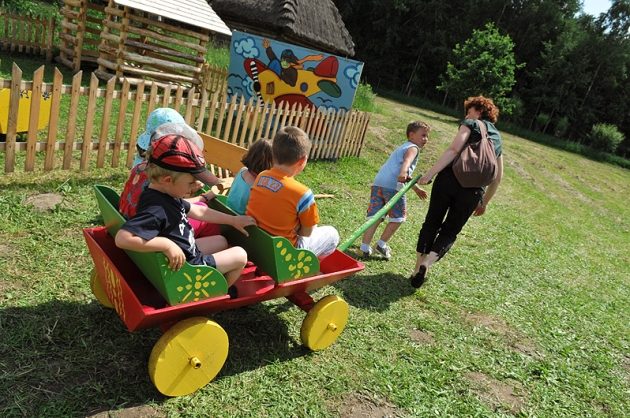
[(158, 117), (180, 129)]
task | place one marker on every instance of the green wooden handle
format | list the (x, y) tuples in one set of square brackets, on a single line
[(347, 243)]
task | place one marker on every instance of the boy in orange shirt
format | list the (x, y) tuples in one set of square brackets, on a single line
[(283, 206)]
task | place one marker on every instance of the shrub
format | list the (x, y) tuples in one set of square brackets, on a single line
[(605, 137), (562, 125), (364, 98), (218, 54), (541, 120), (31, 8), (511, 108)]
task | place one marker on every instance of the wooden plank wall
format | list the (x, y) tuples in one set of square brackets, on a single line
[(136, 45)]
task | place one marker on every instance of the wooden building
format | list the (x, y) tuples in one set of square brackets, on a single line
[(162, 40)]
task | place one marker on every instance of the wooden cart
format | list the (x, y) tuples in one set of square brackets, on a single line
[(194, 348)]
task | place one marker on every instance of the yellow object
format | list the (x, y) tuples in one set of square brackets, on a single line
[(24, 112), (97, 290), (324, 322), (188, 356)]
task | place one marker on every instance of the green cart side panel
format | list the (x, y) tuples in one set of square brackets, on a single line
[(276, 256), (108, 200), (188, 284)]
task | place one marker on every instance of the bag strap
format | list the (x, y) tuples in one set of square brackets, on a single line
[(483, 129)]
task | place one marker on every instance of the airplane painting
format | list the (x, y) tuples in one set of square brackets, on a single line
[(275, 71)]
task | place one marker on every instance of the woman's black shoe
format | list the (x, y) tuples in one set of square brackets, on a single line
[(417, 279)]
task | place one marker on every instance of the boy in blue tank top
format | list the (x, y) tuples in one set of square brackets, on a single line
[(389, 179)]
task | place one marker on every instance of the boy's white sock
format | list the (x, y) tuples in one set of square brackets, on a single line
[(381, 243), (365, 248)]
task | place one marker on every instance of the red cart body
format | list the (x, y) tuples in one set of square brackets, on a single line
[(139, 304)]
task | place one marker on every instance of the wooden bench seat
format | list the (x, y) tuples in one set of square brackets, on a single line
[(225, 156)]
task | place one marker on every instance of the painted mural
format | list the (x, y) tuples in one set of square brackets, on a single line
[(276, 71)]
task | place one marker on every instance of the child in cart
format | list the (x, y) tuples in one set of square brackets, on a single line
[(161, 221), (164, 121)]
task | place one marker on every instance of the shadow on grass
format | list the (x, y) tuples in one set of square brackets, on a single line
[(375, 292), (70, 359)]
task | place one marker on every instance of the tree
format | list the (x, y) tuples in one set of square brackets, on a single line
[(617, 19), (484, 64), (584, 79)]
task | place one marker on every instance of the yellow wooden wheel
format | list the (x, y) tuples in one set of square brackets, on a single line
[(98, 291), (188, 356), (324, 322)]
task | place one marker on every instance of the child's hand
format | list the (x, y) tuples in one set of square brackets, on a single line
[(198, 186), (195, 189), (241, 221), (175, 256), (421, 193), (403, 178)]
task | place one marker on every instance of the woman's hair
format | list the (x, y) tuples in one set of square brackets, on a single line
[(487, 107), (259, 156)]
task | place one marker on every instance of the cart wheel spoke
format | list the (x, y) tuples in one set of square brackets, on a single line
[(98, 291), (324, 322), (188, 356)]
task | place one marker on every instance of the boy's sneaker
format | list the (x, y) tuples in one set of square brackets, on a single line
[(366, 254), (385, 251)]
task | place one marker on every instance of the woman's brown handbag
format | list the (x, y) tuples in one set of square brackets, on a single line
[(476, 164)]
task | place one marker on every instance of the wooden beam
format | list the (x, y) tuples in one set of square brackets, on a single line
[(163, 63)]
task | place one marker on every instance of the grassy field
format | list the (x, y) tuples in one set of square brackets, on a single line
[(527, 315)]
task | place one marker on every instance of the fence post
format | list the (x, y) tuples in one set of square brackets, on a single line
[(135, 123), (107, 115), (54, 121), (86, 148), (33, 122), (14, 106), (72, 120), (203, 77), (121, 121)]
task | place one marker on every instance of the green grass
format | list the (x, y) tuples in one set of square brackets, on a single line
[(532, 300), (218, 55), (29, 65)]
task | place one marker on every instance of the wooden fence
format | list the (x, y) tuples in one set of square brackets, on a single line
[(27, 35), (213, 78), (89, 125)]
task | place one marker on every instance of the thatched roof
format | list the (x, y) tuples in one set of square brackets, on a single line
[(193, 12), (311, 23)]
